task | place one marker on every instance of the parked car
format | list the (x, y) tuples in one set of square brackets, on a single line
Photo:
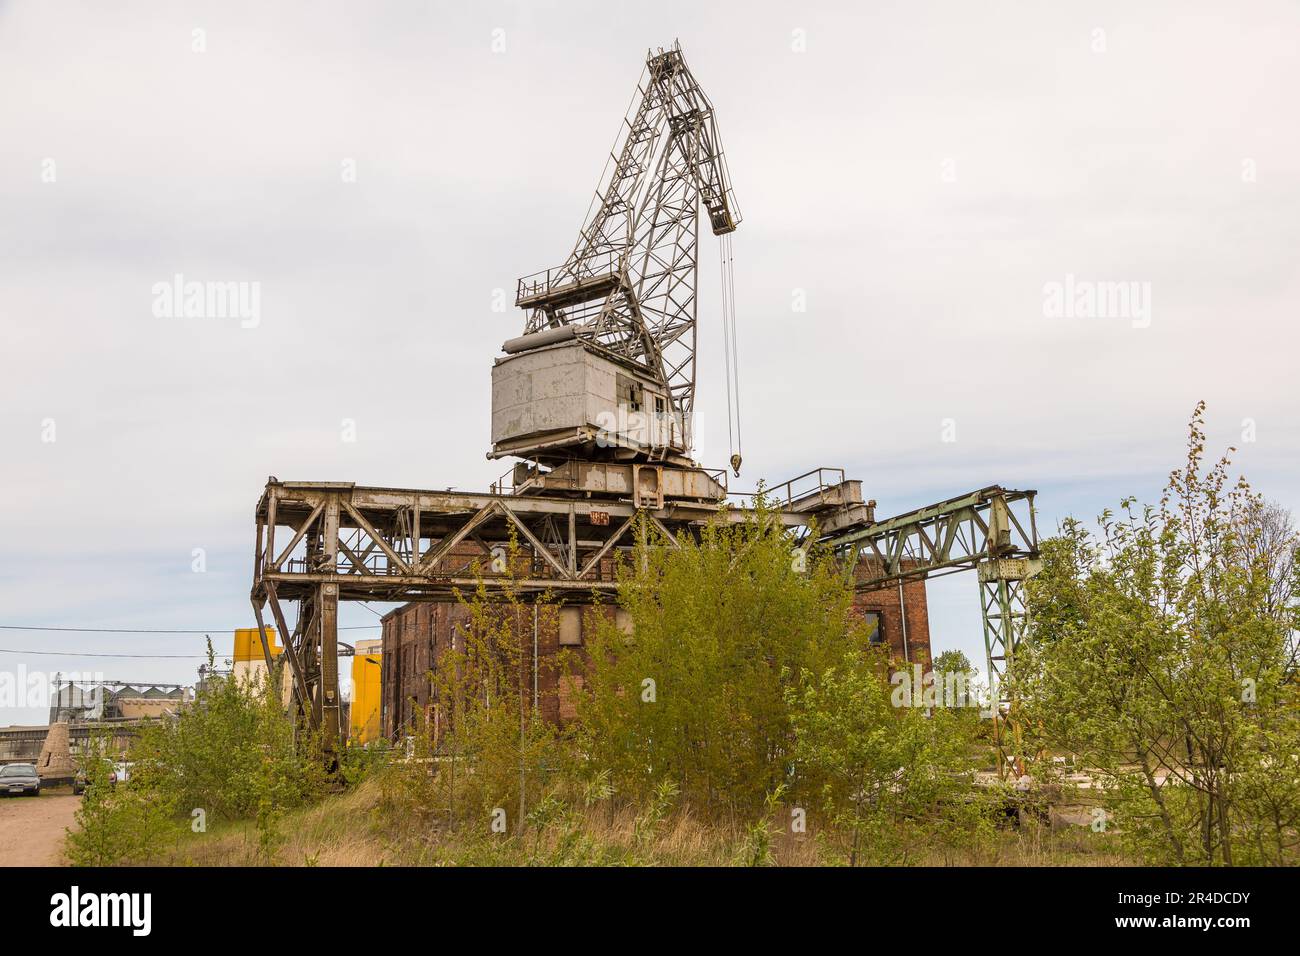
[(80, 782), (20, 778)]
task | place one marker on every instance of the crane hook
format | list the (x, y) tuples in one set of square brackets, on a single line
[(735, 464)]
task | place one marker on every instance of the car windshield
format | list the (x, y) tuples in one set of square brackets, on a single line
[(17, 770)]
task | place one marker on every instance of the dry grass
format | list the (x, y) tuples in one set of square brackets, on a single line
[(358, 828), (335, 832)]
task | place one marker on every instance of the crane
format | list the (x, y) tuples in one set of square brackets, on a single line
[(595, 398), (619, 315)]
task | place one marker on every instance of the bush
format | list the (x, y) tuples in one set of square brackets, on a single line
[(694, 691), (230, 755), (231, 752), (1162, 661), (117, 823), (488, 757), (881, 774)]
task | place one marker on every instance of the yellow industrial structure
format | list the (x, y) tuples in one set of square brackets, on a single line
[(365, 722), (248, 645), (249, 663), (365, 725)]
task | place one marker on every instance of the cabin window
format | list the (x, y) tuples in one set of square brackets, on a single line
[(628, 392)]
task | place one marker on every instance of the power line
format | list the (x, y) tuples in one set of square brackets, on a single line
[(188, 657), (144, 630)]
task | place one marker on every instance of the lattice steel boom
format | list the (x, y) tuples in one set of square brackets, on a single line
[(629, 286)]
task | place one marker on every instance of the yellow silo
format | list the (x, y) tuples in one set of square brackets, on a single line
[(367, 686)]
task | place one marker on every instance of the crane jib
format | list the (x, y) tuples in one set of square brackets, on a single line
[(628, 288)]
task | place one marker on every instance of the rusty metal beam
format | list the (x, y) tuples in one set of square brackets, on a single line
[(445, 546), (375, 536), (295, 665), (595, 559), (538, 547), (293, 542)]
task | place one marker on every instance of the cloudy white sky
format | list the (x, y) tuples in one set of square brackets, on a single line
[(916, 172)]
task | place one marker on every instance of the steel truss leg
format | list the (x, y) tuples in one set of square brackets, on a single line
[(327, 604), (1005, 615)]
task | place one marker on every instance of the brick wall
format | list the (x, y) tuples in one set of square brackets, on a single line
[(904, 622)]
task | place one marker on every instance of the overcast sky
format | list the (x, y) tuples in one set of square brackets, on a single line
[(914, 177)]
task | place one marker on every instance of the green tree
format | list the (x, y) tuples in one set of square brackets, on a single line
[(493, 755), (951, 662), (232, 752), (690, 689), (117, 823), (878, 767), (1160, 661)]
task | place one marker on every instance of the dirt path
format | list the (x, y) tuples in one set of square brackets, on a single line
[(31, 828)]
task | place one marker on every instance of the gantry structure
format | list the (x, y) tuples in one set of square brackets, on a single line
[(319, 543)]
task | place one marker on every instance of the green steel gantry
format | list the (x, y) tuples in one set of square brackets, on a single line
[(992, 531)]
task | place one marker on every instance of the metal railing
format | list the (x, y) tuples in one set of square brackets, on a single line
[(815, 482), (605, 264)]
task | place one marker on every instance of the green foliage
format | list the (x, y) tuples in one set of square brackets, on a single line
[(757, 846), (739, 679), (693, 691), (486, 754), (655, 809), (117, 823), (1160, 662), (357, 762), (951, 662), (874, 767), (232, 753)]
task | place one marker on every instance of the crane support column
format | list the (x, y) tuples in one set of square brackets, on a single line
[(327, 604), (1005, 613)]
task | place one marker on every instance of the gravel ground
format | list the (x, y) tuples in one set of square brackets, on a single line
[(32, 828)]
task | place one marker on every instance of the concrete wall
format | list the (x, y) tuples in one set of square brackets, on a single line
[(138, 707), (566, 388)]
